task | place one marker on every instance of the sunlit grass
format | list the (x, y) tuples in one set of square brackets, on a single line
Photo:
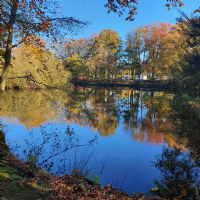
[(4, 175), (7, 173), (38, 187)]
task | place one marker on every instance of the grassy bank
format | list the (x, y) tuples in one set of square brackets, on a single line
[(20, 180)]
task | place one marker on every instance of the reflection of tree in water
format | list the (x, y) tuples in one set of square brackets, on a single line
[(145, 115), (104, 106), (130, 109), (96, 110), (146, 120), (185, 118), (33, 108), (142, 112)]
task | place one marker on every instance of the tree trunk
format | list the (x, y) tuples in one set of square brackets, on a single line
[(153, 73), (7, 55), (109, 70), (132, 73), (95, 72), (153, 68), (143, 66)]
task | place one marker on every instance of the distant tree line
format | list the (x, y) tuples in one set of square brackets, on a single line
[(154, 50)]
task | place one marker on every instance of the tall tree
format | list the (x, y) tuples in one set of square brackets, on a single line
[(33, 68), (109, 41), (134, 49), (74, 65), (156, 42), (23, 19), (189, 30)]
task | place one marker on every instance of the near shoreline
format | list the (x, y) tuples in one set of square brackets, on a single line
[(25, 180)]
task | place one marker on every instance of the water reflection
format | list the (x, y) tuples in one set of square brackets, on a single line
[(33, 108), (144, 114), (185, 119), (132, 125)]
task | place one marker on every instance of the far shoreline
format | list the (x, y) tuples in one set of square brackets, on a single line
[(135, 84)]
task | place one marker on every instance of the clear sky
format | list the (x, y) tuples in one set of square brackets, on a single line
[(148, 11)]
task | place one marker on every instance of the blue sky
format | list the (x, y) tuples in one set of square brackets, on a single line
[(148, 11)]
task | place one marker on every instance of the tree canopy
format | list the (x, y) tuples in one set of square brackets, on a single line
[(23, 20), (119, 6), (26, 21)]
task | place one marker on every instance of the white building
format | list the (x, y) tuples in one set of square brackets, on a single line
[(126, 77), (140, 77)]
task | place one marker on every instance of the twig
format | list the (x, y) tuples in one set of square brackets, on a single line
[(60, 153)]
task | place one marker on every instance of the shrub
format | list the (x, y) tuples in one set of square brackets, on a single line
[(180, 175), (95, 179)]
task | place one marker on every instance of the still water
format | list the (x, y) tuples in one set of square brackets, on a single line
[(118, 131)]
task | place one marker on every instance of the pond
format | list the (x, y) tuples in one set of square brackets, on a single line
[(117, 132)]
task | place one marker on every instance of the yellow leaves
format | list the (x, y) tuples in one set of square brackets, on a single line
[(43, 66), (155, 188), (74, 58), (4, 175)]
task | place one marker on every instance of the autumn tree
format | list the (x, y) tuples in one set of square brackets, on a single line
[(97, 62), (109, 42), (189, 29), (36, 68), (156, 39), (72, 50), (153, 49), (134, 49), (23, 19), (74, 65), (93, 56), (96, 57)]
